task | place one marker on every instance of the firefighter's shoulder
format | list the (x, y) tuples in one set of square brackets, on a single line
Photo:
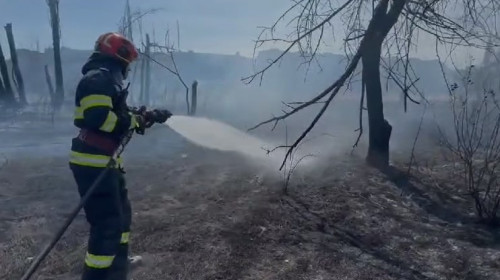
[(98, 80)]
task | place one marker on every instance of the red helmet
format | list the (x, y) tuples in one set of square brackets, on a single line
[(116, 45)]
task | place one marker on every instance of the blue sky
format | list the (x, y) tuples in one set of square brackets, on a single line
[(217, 26), (211, 26)]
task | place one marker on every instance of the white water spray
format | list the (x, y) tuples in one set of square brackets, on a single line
[(220, 136)]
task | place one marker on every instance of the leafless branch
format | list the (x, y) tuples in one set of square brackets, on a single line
[(412, 155), (312, 19), (476, 143), (135, 17), (361, 108), (174, 70), (335, 87), (293, 43)]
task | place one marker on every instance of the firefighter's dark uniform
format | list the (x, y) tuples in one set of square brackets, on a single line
[(102, 116)]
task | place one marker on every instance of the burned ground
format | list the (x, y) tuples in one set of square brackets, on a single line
[(201, 214)]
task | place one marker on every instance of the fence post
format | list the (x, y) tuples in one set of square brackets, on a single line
[(18, 78), (9, 93), (56, 42), (194, 97)]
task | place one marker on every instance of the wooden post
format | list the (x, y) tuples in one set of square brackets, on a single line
[(56, 42), (194, 97), (148, 71), (9, 94), (143, 66), (48, 79), (18, 78), (3, 96), (128, 21), (52, 95)]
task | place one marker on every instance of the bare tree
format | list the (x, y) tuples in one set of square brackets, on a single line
[(143, 80), (17, 77), (194, 98), (126, 24), (3, 94), (9, 93), (147, 75), (475, 141), (169, 49), (56, 40), (129, 20), (381, 34), (174, 70), (50, 87), (52, 94)]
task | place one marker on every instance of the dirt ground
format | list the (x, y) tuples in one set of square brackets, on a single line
[(201, 214)]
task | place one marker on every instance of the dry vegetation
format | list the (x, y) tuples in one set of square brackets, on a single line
[(202, 214), (207, 215)]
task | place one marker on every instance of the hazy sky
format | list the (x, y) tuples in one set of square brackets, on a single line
[(218, 26), (213, 26)]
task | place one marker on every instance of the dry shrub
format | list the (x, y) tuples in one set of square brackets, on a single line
[(475, 141)]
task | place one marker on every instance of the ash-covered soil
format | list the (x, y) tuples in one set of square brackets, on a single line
[(201, 214)]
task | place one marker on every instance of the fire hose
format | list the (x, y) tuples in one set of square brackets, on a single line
[(112, 162)]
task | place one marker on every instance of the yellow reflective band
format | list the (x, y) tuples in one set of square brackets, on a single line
[(78, 113), (133, 121), (90, 160), (95, 100), (125, 238), (96, 261), (110, 122)]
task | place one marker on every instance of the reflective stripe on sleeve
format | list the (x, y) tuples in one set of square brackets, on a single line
[(96, 261), (95, 100), (110, 122), (133, 121), (125, 238)]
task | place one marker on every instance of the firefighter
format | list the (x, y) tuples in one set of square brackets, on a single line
[(104, 118)]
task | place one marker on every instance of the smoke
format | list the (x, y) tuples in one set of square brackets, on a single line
[(222, 96), (217, 135)]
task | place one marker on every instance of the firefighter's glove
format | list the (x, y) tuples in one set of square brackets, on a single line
[(137, 110), (141, 124), (157, 116), (162, 115)]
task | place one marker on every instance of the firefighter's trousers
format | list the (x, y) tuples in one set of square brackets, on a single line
[(108, 212)]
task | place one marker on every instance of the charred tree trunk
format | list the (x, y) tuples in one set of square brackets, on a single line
[(188, 106), (9, 94), (147, 82), (48, 79), (56, 41), (194, 97), (52, 94), (3, 96), (128, 21), (17, 76), (141, 94), (371, 49), (380, 129)]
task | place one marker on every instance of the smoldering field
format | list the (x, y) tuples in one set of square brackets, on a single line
[(211, 214)]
